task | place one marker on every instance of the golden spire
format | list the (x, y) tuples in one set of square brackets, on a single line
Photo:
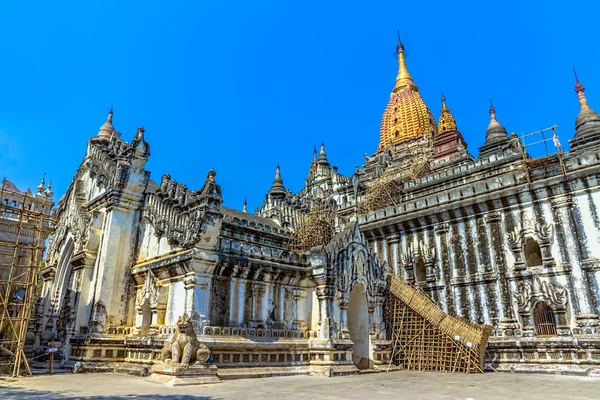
[(406, 115), (403, 80), (447, 122), (580, 89)]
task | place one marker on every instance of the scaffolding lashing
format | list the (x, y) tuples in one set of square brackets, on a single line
[(25, 221)]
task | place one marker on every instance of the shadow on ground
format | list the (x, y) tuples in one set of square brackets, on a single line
[(10, 393)]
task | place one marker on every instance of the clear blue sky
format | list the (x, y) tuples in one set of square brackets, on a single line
[(239, 86)]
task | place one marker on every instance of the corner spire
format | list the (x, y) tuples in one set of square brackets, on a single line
[(245, 209), (107, 129), (313, 165), (48, 192), (587, 123), (41, 187), (277, 189), (323, 156), (403, 79), (446, 122), (493, 120), (495, 130)]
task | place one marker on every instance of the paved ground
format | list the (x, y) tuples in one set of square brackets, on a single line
[(394, 385)]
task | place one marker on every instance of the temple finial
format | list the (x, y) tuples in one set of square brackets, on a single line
[(41, 187), (403, 79), (580, 90), (48, 192), (446, 122), (277, 188), (445, 109), (245, 205), (492, 112), (323, 155), (107, 129), (313, 165)]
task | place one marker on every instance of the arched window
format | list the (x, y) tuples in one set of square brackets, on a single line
[(544, 320), (533, 253), (420, 270)]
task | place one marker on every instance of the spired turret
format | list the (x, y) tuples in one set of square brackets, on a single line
[(496, 136), (107, 129), (448, 140), (277, 190), (323, 156), (587, 124)]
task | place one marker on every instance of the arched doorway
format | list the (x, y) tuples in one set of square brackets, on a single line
[(358, 325)]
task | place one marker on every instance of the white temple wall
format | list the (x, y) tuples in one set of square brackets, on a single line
[(176, 305), (585, 203), (113, 262)]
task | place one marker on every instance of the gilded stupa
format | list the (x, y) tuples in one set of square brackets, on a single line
[(406, 115)]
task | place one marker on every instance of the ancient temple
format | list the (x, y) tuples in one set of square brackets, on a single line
[(503, 239)]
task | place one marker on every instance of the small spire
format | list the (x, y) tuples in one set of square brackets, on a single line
[(245, 205), (495, 131), (313, 165), (41, 186), (445, 109), (48, 192), (446, 122), (277, 188), (580, 90), (493, 120), (323, 156), (403, 79), (107, 129)]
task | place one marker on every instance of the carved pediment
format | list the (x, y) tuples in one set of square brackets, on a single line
[(554, 295)]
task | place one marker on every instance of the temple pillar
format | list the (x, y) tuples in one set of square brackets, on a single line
[(441, 236), (258, 300), (343, 304), (198, 296), (299, 309), (394, 265), (506, 318), (325, 295), (83, 305)]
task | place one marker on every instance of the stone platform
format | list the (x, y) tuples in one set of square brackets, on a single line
[(176, 376)]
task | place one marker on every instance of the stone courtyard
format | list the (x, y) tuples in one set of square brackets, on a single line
[(394, 385)]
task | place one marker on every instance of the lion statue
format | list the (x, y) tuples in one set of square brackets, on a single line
[(184, 349)]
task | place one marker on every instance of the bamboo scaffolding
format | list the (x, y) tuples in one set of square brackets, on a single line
[(427, 339), (315, 228), (387, 189), (29, 222)]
